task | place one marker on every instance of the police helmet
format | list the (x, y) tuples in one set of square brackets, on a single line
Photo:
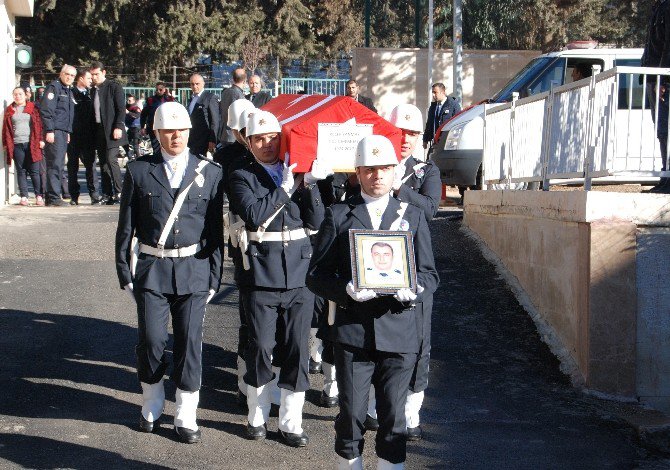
[(375, 150), (171, 115), (262, 122), (235, 113), (408, 117)]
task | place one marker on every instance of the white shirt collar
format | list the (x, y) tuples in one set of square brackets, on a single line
[(175, 166), (376, 207)]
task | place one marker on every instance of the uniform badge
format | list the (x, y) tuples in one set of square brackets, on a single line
[(50, 96), (420, 173), (200, 180), (404, 225)]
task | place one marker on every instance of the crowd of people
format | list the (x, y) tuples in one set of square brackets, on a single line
[(288, 236)]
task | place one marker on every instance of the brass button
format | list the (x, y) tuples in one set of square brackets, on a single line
[(176, 230)]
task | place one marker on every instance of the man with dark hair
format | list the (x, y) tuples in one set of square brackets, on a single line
[(581, 70), (82, 142), (203, 108), (109, 109), (57, 113), (657, 54), (147, 117), (441, 110), (257, 96), (235, 92), (352, 92)]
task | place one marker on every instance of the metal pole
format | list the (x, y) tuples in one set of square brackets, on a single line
[(417, 23), (430, 48), (174, 79), (368, 9), (458, 51)]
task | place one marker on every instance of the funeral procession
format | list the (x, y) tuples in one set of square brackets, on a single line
[(335, 235)]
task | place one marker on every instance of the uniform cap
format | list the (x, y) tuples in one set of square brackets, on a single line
[(262, 122), (235, 113), (407, 116), (171, 115), (375, 150)]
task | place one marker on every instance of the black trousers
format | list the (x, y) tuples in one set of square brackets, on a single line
[(109, 164), (54, 155), (134, 141), (188, 314), (84, 150), (424, 312), (390, 373), (278, 318)]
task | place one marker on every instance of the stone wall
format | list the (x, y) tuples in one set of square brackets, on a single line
[(594, 265)]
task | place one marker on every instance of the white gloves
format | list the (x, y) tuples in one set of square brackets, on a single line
[(406, 295), (398, 175), (361, 295), (128, 289), (287, 180), (211, 294), (319, 172)]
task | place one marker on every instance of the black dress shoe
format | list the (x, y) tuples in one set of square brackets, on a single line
[(314, 367), (187, 436), (55, 202), (329, 402), (74, 202), (96, 201), (414, 434), (256, 433), (113, 200), (371, 424), (295, 440), (147, 426)]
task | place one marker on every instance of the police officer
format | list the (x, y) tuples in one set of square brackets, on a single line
[(57, 113), (276, 209), (376, 339), (172, 203), (418, 183)]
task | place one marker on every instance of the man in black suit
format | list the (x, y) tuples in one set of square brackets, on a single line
[(257, 96), (109, 108), (279, 214), (441, 109), (375, 336), (172, 202), (205, 118), (235, 92), (352, 92)]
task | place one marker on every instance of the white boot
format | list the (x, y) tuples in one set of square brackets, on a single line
[(353, 464), (275, 393), (315, 345), (372, 403), (187, 405), (412, 408), (241, 370), (153, 400), (386, 465), (258, 401), (290, 411), (329, 380)]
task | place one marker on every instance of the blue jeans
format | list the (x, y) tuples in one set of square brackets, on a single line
[(25, 166)]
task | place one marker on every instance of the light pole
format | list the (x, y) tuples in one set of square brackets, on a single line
[(458, 51)]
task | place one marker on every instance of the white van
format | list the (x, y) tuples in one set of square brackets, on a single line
[(460, 142)]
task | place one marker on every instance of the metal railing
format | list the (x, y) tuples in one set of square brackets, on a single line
[(596, 127), (314, 86)]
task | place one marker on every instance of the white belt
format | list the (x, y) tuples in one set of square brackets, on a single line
[(285, 236), (171, 252)]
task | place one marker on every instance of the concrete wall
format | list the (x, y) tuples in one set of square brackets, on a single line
[(393, 76), (594, 266)]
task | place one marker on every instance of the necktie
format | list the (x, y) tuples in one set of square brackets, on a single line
[(438, 110), (191, 105)]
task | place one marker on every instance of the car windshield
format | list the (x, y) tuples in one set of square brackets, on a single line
[(522, 79)]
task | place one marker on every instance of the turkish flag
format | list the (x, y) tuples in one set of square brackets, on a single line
[(300, 116)]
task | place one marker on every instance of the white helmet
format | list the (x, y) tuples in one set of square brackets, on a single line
[(262, 122), (235, 112), (407, 116), (171, 115), (375, 150), (245, 115)]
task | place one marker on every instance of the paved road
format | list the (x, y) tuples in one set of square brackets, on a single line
[(69, 396)]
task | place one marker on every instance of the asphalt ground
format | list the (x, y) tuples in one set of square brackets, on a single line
[(69, 396)]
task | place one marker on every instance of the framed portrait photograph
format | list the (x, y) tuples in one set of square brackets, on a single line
[(382, 260)]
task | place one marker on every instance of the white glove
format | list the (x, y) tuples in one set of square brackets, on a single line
[(319, 172), (211, 294), (128, 289), (398, 175), (287, 180), (406, 295), (361, 295)]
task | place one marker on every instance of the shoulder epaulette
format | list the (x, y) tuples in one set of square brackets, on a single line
[(208, 160)]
